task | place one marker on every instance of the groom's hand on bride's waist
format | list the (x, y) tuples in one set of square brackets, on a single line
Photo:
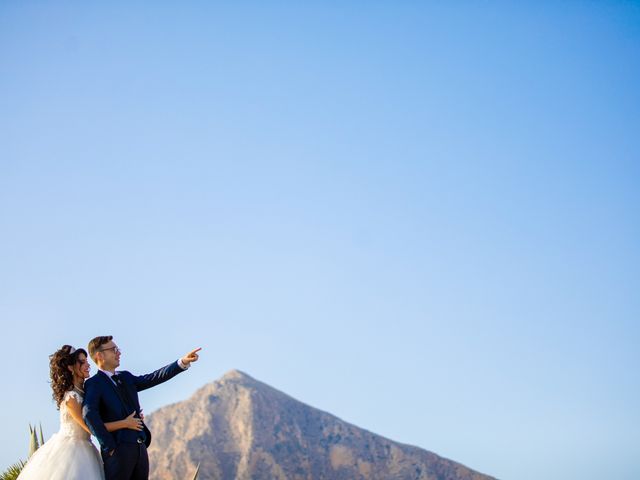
[(190, 357)]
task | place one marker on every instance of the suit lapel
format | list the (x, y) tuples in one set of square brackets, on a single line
[(116, 390), (123, 404)]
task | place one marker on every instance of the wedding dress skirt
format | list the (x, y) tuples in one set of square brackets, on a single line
[(67, 455)]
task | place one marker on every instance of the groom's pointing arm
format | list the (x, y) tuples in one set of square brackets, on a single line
[(163, 374), (91, 415)]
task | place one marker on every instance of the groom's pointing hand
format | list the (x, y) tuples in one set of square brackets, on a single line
[(191, 357)]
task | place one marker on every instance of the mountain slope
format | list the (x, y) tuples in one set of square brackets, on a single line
[(240, 428)]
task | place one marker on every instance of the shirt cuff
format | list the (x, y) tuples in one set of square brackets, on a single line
[(182, 365)]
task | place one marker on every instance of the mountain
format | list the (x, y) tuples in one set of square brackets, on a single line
[(240, 428)]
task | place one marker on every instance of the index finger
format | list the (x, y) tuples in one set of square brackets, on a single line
[(195, 351)]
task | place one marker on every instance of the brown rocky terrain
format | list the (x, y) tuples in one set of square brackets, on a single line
[(240, 428)]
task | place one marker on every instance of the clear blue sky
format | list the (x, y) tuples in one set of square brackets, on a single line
[(419, 217)]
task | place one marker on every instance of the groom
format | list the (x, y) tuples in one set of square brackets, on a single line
[(111, 396)]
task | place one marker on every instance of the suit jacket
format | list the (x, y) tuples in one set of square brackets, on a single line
[(105, 402)]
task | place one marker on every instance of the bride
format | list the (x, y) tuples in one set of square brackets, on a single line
[(69, 453)]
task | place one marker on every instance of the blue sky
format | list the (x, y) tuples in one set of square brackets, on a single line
[(420, 217)]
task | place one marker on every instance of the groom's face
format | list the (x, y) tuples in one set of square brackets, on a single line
[(110, 355)]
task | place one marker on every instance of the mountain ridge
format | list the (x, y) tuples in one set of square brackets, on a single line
[(238, 427)]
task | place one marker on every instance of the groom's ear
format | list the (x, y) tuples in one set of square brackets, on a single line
[(98, 357)]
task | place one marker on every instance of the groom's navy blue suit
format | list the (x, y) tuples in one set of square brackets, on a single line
[(106, 400)]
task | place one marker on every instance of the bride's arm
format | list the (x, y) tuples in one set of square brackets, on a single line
[(130, 422), (75, 409)]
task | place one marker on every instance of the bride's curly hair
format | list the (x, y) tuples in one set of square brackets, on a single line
[(61, 376)]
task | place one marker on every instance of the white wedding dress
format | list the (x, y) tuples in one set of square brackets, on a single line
[(68, 454)]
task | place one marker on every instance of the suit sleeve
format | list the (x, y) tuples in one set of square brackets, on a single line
[(142, 382), (91, 415)]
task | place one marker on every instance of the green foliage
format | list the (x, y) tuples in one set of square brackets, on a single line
[(33, 442), (13, 471)]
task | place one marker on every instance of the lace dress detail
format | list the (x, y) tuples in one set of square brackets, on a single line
[(68, 454), (68, 426)]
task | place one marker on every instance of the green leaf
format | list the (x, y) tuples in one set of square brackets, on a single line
[(33, 441), (13, 471)]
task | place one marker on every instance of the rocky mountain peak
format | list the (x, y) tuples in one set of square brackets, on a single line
[(236, 375), (240, 428)]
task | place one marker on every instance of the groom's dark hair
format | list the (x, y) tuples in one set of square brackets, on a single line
[(96, 343)]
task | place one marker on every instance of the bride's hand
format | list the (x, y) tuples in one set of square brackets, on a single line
[(133, 423)]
